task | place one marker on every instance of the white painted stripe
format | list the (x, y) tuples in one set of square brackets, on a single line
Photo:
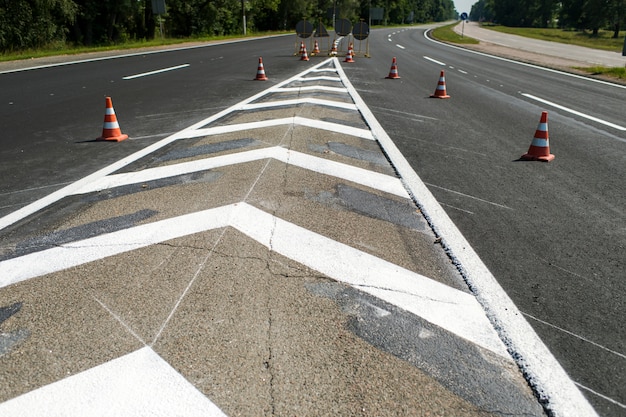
[(145, 74), (567, 74), (111, 125), (351, 173), (451, 309), (295, 102), (434, 60), (140, 383), (542, 370), (77, 253), (400, 46), (567, 109), (297, 120), (159, 51), (37, 205), (311, 88), (320, 78)]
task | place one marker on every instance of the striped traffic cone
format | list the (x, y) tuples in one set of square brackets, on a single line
[(540, 146), (349, 55), (393, 72), (304, 56), (440, 91), (316, 49), (260, 72), (333, 50), (111, 129)]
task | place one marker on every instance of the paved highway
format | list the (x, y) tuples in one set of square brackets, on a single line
[(552, 234)]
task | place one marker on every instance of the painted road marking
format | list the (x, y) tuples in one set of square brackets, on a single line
[(137, 384), (434, 60), (577, 113), (454, 310), (145, 74), (371, 179), (52, 198)]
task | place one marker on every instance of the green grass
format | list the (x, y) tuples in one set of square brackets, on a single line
[(446, 34), (64, 49), (612, 72), (603, 41)]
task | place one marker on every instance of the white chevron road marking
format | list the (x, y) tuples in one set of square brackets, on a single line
[(449, 308)]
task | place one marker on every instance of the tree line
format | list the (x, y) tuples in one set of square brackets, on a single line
[(583, 15), (32, 24)]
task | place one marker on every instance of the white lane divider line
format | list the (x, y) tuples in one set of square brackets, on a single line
[(456, 311), (435, 61), (400, 46), (577, 113), (145, 74)]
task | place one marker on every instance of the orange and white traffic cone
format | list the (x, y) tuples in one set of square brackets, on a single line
[(393, 72), (440, 91), (111, 129), (349, 56), (260, 72), (304, 56), (301, 48), (540, 146), (333, 50), (316, 49)]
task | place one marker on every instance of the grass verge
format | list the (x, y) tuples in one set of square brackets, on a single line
[(447, 34)]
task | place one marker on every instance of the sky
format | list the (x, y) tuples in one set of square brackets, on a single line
[(464, 5)]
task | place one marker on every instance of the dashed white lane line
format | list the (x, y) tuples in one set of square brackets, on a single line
[(400, 46), (365, 177), (444, 306), (435, 61), (577, 113), (140, 383), (159, 71)]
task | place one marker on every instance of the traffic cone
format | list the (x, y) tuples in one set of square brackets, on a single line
[(440, 91), (304, 56), (260, 72), (301, 48), (333, 50), (111, 129), (316, 49), (540, 147), (393, 72), (349, 56)]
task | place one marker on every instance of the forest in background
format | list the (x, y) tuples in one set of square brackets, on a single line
[(581, 15), (32, 24)]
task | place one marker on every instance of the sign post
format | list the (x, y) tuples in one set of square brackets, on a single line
[(463, 18)]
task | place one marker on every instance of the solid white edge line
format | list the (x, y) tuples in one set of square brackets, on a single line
[(524, 63), (159, 71), (557, 391), (567, 109)]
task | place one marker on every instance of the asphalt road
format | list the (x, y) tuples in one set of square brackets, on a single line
[(552, 234)]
